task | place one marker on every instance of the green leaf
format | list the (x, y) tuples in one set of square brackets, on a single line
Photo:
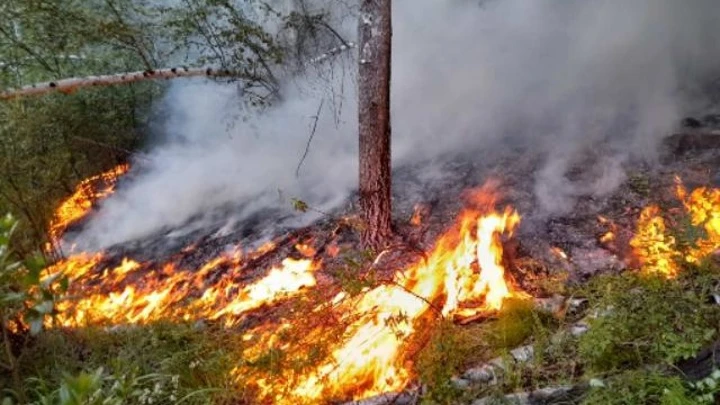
[(13, 297), (300, 205), (35, 264)]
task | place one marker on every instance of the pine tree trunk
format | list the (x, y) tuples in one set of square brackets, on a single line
[(375, 38)]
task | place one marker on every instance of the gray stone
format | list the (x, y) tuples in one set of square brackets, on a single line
[(522, 398), (523, 354), (483, 374), (579, 329), (460, 383)]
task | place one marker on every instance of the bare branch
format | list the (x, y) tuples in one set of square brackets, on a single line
[(312, 134), (332, 52), (69, 85)]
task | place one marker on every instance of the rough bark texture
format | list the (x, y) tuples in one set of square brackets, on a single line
[(375, 38)]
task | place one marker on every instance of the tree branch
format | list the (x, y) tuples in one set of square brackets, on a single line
[(312, 134), (71, 84), (332, 52)]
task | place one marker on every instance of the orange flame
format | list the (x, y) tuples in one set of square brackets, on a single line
[(608, 237), (653, 247), (658, 252), (462, 276), (559, 252), (79, 204), (105, 296), (703, 206)]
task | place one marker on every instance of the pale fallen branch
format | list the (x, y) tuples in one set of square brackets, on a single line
[(70, 85), (332, 52)]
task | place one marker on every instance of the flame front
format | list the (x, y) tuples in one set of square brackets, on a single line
[(169, 293), (80, 203), (462, 276), (703, 206), (658, 251)]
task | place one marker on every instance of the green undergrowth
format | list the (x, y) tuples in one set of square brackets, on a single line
[(160, 364), (453, 348), (641, 326)]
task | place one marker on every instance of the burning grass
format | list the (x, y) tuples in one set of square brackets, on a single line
[(78, 205), (373, 331), (299, 330)]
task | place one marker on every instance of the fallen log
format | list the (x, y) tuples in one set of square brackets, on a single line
[(72, 84)]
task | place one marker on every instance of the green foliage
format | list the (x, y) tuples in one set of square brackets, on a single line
[(161, 363), (27, 300), (706, 390), (439, 360), (227, 33), (100, 388), (518, 321), (351, 272), (646, 320), (641, 387)]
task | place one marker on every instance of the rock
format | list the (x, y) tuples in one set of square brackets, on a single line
[(401, 398), (553, 305), (703, 364), (523, 354), (498, 363), (483, 374), (563, 394), (589, 262), (460, 383), (579, 329)]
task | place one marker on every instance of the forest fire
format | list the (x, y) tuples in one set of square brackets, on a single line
[(108, 298), (658, 251), (462, 276), (375, 331), (81, 202)]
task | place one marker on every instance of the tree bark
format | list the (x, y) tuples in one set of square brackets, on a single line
[(375, 50)]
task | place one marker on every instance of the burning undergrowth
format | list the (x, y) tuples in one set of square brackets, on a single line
[(320, 320), (461, 277)]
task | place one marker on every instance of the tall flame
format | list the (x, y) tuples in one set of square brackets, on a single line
[(654, 248), (462, 276)]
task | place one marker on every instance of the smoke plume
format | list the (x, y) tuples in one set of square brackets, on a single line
[(568, 78)]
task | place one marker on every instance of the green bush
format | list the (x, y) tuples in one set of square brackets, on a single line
[(646, 320), (645, 387)]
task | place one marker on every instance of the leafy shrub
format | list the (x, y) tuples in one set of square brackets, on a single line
[(646, 320), (641, 387)]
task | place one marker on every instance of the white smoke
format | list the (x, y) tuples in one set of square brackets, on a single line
[(564, 76)]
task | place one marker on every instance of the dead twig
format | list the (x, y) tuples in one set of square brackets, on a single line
[(312, 135)]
